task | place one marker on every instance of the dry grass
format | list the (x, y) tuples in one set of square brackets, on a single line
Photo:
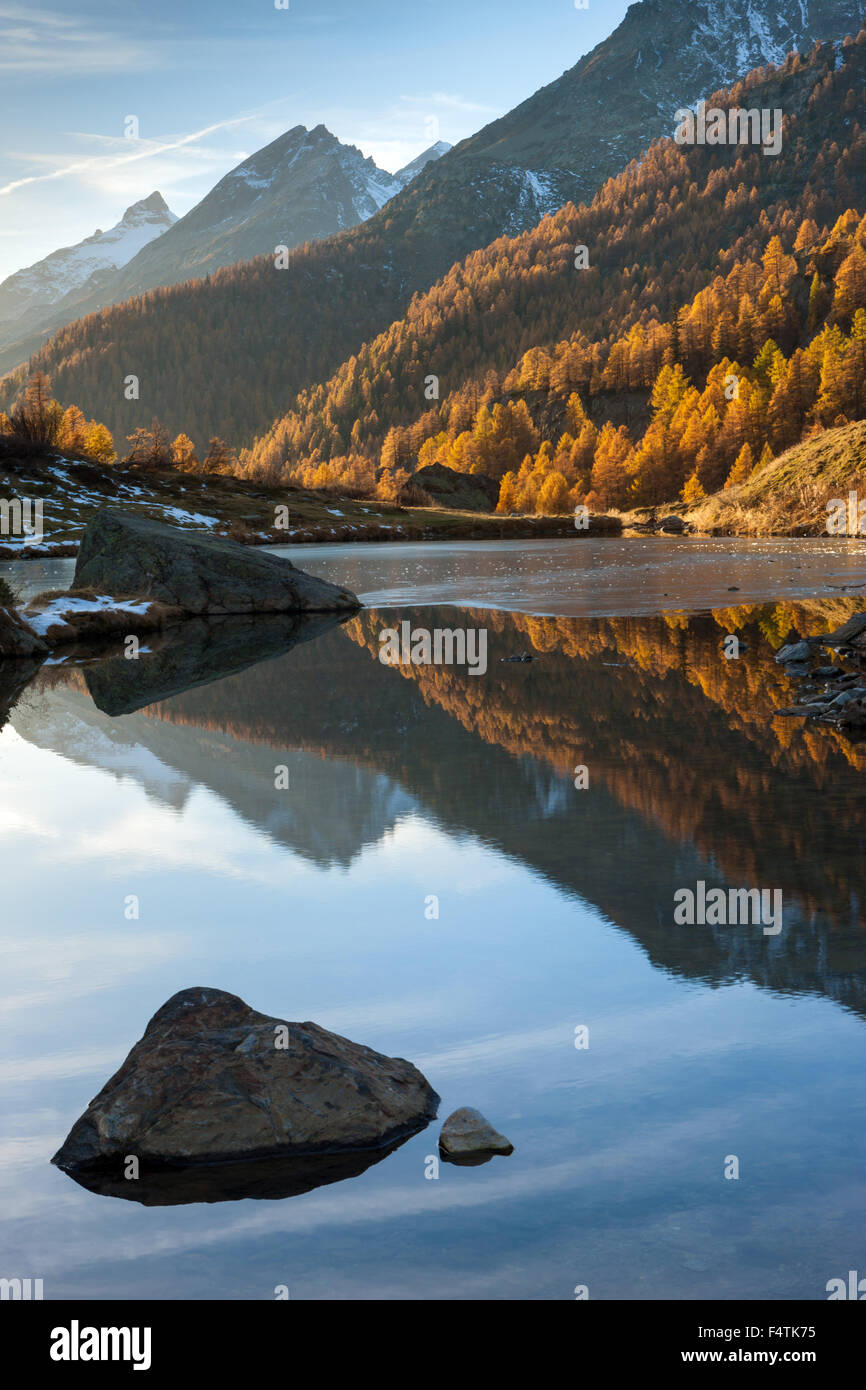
[(789, 496)]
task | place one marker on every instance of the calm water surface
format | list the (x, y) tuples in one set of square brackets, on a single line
[(591, 578), (555, 911)]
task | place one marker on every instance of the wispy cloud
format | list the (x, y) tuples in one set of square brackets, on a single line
[(142, 150), (36, 41)]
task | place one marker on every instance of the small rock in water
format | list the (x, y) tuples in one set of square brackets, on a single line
[(845, 698), (470, 1139), (853, 714), (521, 656), (794, 654), (853, 628)]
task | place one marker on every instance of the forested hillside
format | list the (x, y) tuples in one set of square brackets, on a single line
[(721, 314), (226, 355)]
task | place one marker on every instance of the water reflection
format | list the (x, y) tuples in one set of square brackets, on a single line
[(691, 773), (557, 909), (196, 653), (263, 1179)]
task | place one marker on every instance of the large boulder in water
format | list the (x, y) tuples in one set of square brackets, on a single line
[(212, 1080), (122, 553)]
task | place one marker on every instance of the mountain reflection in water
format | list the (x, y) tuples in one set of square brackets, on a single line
[(556, 910), (690, 774)]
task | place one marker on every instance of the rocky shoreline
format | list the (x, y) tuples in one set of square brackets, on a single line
[(135, 575), (448, 527), (830, 694)]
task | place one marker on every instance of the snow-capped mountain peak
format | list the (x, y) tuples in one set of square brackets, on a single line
[(303, 186), (33, 290), (408, 172)]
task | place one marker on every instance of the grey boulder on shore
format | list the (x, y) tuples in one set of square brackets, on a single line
[(122, 553), (213, 1081)]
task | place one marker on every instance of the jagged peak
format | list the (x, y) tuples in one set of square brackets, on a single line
[(154, 202), (428, 156)]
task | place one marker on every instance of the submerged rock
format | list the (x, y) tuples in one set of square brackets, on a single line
[(468, 1138), (852, 714), (853, 628), (845, 698), (122, 553), (795, 654), (17, 638), (213, 1081)]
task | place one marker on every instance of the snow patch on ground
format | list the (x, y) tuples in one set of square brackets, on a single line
[(253, 180), (189, 518), (20, 542), (55, 611)]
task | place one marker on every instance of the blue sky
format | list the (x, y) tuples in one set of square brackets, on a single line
[(210, 81)]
